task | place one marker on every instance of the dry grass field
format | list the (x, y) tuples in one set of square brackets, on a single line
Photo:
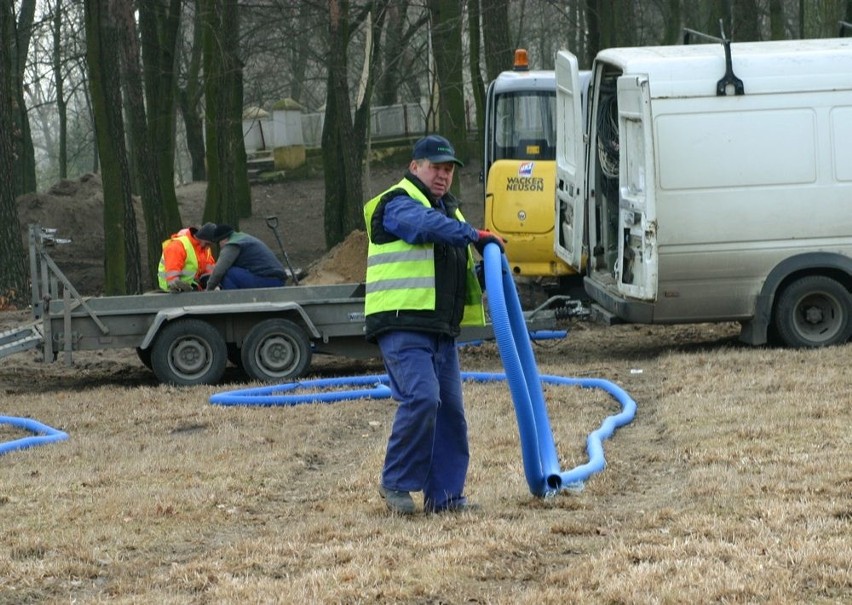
[(732, 485)]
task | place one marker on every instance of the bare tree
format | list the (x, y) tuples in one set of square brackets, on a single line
[(478, 86), (344, 136), (228, 195), (446, 28), (159, 25), (122, 267), (499, 49), (144, 150), (399, 77), (13, 272), (745, 24), (24, 177), (777, 25), (189, 97)]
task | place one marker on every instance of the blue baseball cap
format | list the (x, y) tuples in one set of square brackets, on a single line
[(436, 149)]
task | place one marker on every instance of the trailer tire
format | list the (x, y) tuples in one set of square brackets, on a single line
[(814, 311), (189, 352), (276, 350)]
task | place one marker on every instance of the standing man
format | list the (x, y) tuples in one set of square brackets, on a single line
[(421, 287), (186, 262), (244, 261)]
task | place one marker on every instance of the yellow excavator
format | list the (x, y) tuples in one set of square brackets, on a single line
[(519, 172)]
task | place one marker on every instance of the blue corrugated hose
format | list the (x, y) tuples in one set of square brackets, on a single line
[(43, 434), (538, 450)]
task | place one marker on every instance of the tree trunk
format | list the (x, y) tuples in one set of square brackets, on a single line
[(344, 139), (241, 182), (159, 23), (398, 59), (13, 269), (594, 27), (673, 18), (777, 25), (341, 154), (59, 82), (122, 269), (745, 26), (447, 49), (144, 150), (477, 84), (387, 88), (499, 54), (189, 101), (299, 55), (702, 18), (24, 178), (223, 96), (607, 23)]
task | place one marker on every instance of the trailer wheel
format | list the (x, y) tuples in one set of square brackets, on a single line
[(276, 350), (814, 311), (189, 352)]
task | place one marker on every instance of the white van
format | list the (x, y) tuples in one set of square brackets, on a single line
[(713, 182)]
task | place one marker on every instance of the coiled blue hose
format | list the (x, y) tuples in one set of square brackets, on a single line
[(44, 434), (540, 458), (273, 395), (538, 450)]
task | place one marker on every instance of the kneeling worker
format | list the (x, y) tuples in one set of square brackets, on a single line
[(186, 262), (244, 261)]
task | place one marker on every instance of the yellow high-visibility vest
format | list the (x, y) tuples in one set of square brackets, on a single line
[(401, 276), (190, 267)]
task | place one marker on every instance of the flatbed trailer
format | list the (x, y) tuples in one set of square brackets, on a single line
[(188, 338)]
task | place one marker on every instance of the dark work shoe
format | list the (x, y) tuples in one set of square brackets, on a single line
[(397, 501)]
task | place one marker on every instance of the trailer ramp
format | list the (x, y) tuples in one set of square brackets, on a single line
[(20, 338)]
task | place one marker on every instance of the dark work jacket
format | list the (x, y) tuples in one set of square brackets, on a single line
[(255, 256)]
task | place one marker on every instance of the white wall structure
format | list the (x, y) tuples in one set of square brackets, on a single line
[(291, 127), (287, 127), (257, 130)]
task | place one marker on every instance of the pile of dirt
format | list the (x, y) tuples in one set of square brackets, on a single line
[(345, 263), (74, 207)]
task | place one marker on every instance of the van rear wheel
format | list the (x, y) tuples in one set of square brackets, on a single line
[(814, 311)]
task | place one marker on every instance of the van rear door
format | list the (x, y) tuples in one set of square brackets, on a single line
[(637, 267), (570, 158)]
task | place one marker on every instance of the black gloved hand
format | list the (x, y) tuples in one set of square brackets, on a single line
[(486, 237), (179, 286)]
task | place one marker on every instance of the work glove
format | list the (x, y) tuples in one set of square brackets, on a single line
[(179, 286), (486, 237)]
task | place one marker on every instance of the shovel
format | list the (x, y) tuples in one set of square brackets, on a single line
[(272, 223)]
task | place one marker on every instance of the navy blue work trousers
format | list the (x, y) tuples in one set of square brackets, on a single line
[(428, 449), (238, 278)]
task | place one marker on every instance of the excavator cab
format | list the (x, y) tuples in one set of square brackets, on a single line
[(519, 168)]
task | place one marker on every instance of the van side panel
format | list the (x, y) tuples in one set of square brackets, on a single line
[(841, 135), (754, 183), (736, 148)]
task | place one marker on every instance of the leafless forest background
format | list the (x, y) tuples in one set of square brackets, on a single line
[(151, 94)]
